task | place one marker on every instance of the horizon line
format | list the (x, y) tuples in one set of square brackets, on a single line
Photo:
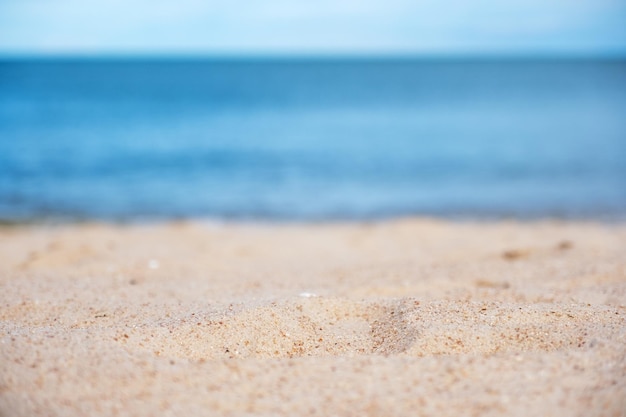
[(306, 56)]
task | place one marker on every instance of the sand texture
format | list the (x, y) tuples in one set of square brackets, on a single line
[(397, 318)]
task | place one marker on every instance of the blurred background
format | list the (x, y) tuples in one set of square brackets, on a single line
[(291, 110)]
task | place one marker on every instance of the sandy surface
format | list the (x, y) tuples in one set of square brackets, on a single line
[(411, 317)]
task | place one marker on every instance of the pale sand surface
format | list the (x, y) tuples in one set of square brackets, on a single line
[(406, 318)]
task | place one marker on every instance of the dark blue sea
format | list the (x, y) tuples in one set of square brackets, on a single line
[(306, 139)]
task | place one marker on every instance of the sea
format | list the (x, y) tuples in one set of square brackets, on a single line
[(311, 139)]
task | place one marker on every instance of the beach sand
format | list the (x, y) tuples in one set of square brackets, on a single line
[(392, 318)]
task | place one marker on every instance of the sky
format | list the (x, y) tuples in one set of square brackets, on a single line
[(580, 27)]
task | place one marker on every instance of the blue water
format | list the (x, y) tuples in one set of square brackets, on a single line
[(307, 139)]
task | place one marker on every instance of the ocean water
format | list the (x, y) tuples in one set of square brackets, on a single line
[(311, 139)]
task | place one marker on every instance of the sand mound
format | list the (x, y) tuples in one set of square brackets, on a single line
[(339, 327)]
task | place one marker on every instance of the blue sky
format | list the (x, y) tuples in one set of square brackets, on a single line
[(308, 27)]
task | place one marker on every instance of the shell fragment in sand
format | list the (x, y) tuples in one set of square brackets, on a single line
[(307, 294)]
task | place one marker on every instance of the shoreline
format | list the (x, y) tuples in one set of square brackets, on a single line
[(388, 317), (608, 217)]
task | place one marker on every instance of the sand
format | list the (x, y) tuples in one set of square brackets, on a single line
[(396, 318)]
